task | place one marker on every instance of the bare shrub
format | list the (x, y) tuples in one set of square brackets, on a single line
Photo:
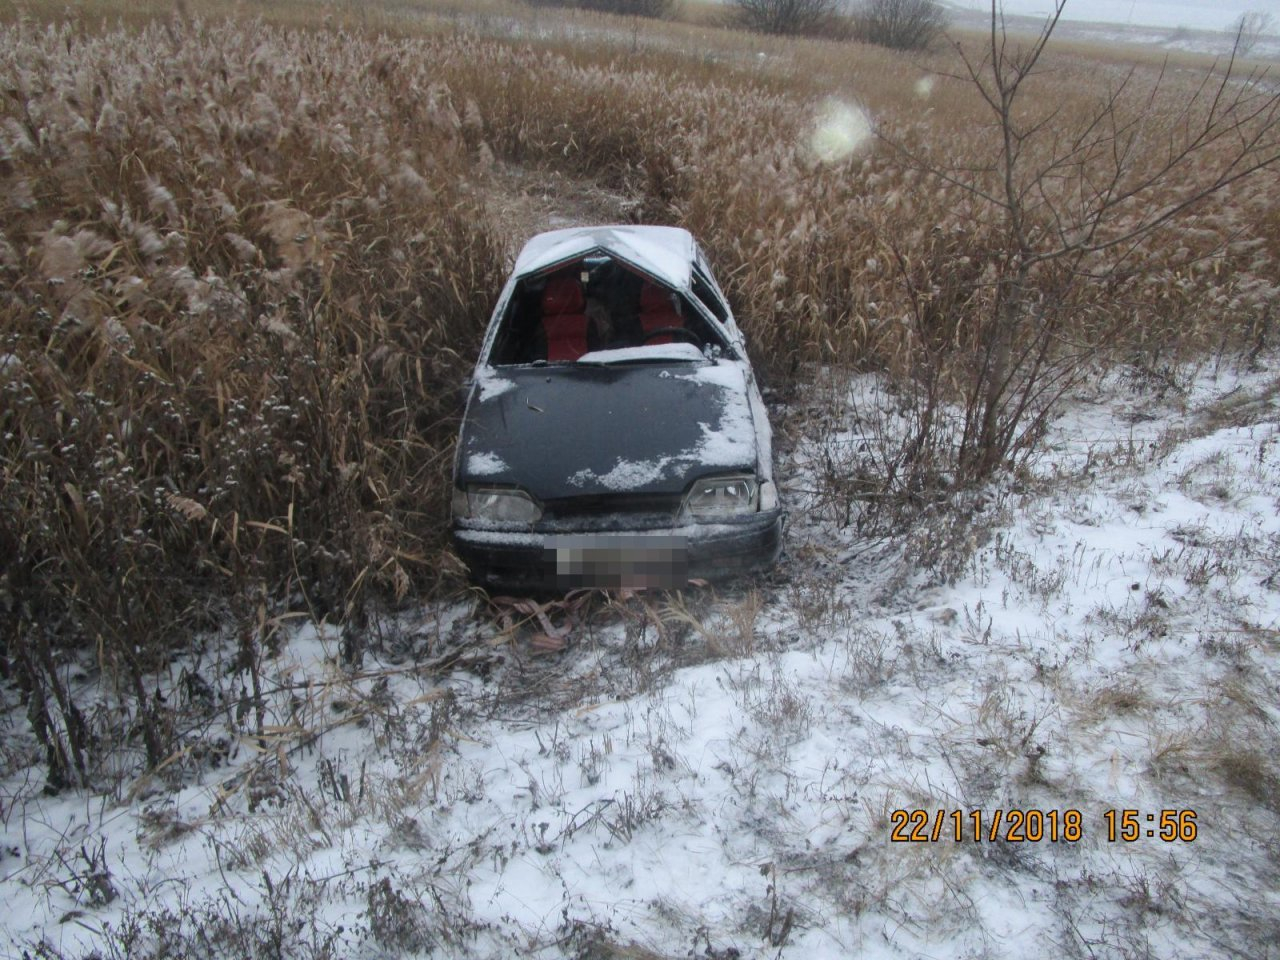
[(899, 24), (1250, 27), (632, 8), (396, 922), (289, 924), (628, 8), (1065, 209), (787, 16)]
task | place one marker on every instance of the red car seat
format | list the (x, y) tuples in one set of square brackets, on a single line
[(657, 310), (563, 319)]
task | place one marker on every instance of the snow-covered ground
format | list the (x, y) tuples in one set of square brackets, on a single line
[(720, 773), (1192, 14), (1188, 25)]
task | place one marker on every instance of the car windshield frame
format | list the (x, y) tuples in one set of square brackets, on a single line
[(510, 340)]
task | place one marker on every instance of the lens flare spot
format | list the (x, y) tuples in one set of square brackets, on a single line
[(840, 130), (924, 87)]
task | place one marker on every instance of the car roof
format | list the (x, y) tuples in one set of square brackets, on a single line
[(665, 253)]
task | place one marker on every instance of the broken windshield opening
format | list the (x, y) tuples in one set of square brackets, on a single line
[(597, 306)]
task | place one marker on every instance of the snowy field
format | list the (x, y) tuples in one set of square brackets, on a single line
[(1089, 649), (1192, 14), (1186, 25)]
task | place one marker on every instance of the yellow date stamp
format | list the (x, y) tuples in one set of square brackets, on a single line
[(1033, 825)]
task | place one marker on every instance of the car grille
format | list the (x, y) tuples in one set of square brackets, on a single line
[(629, 504)]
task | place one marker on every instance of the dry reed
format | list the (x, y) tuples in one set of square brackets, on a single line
[(245, 268)]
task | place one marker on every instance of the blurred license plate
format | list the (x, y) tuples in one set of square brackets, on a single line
[(633, 561)]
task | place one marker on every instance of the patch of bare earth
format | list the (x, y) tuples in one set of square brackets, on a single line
[(529, 200)]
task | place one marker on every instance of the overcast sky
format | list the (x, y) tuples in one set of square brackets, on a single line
[(1159, 13)]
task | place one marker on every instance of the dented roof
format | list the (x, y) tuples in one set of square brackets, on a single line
[(665, 253)]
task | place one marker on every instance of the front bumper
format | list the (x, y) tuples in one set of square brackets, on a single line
[(565, 559)]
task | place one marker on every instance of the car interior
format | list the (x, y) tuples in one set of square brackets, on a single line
[(590, 305)]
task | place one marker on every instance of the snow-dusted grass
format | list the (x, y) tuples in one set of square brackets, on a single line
[(247, 265), (719, 771), (244, 265)]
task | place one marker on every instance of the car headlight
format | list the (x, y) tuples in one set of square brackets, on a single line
[(730, 496), (498, 504)]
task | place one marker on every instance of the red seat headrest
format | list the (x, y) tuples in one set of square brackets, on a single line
[(562, 295)]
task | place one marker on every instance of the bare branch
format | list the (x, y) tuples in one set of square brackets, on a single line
[(1075, 201)]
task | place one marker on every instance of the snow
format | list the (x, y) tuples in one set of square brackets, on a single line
[(665, 253), (502, 537), (1188, 25), (719, 771), (1154, 13), (492, 385), (733, 441), (646, 352), (625, 475), (729, 443), (485, 464)]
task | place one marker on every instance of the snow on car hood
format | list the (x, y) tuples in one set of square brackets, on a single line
[(586, 430), (644, 354), (665, 253)]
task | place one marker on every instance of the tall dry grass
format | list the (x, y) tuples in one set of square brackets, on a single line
[(246, 267), (245, 273)]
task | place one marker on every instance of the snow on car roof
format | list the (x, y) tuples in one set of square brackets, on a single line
[(666, 253)]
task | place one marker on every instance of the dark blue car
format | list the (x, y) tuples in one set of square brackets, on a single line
[(614, 434)]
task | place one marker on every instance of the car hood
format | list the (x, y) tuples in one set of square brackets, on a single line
[(586, 430)]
